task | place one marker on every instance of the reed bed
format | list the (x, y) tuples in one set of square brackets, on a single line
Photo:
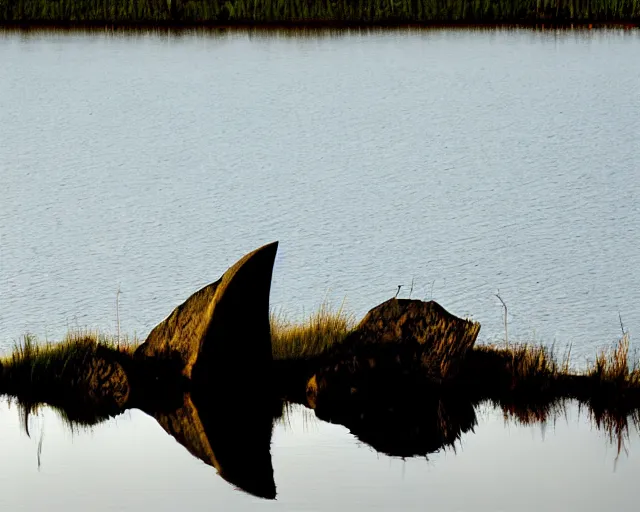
[(361, 12), (523, 362), (538, 368), (316, 334), (612, 366), (500, 373)]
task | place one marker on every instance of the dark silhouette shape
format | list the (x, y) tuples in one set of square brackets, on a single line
[(397, 337), (220, 336), (401, 417), (234, 438)]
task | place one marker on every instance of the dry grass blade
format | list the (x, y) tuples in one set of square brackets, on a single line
[(613, 366)]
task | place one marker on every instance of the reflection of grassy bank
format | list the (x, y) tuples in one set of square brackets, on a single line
[(320, 12), (531, 384)]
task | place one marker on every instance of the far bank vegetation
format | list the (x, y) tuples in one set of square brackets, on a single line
[(316, 12)]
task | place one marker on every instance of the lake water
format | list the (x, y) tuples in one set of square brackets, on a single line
[(465, 161), (130, 463)]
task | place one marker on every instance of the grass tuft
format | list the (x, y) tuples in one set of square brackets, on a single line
[(315, 335), (524, 361), (612, 366), (69, 375), (528, 363), (36, 363)]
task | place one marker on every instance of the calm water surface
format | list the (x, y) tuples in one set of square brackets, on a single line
[(468, 162), (130, 463)]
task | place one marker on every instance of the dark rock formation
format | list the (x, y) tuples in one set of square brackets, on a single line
[(422, 331), (219, 342), (221, 334), (427, 323), (403, 342)]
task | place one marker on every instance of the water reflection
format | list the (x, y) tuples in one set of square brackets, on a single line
[(411, 424), (235, 437)]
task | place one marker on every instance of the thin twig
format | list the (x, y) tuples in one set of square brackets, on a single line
[(118, 313), (506, 334)]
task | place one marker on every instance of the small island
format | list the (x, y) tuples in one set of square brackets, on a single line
[(218, 370)]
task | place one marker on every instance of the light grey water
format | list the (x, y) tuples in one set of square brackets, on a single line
[(131, 464), (467, 161)]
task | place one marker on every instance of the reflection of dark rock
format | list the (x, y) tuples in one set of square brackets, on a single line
[(221, 334), (233, 438), (401, 416)]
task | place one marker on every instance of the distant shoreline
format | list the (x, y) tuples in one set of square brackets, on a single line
[(221, 14), (122, 25)]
